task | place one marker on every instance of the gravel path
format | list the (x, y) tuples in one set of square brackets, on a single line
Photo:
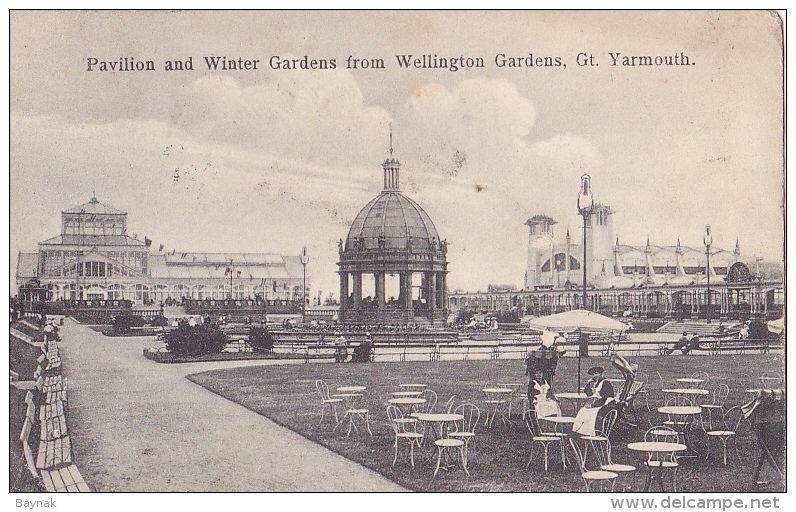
[(140, 426)]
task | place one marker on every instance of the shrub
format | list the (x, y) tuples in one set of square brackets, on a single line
[(122, 324), (188, 340), (159, 321), (508, 317), (261, 339)]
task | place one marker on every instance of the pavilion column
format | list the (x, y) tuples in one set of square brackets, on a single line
[(441, 290), (357, 290), (380, 278), (432, 291), (406, 289), (344, 291)]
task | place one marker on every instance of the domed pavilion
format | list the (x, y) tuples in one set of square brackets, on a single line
[(393, 262)]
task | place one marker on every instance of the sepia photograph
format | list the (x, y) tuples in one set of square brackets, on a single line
[(386, 251)]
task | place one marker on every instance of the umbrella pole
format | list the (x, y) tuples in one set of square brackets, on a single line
[(578, 390)]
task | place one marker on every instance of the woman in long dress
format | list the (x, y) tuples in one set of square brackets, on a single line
[(540, 395)]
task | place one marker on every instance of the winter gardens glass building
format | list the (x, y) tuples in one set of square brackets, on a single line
[(95, 259)]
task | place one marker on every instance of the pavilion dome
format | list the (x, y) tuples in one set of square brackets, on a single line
[(395, 219)]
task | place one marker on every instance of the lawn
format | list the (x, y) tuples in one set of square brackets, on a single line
[(287, 396), (22, 358)]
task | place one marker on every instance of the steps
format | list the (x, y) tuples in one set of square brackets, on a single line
[(701, 327)]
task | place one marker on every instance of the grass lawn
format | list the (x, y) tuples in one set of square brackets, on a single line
[(287, 396), (22, 358)]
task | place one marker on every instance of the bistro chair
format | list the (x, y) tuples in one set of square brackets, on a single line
[(732, 424), (705, 379), (599, 441), (772, 381), (427, 407), (402, 430), (543, 440), (449, 404), (465, 428), (716, 406), (591, 476), (662, 460), (353, 410), (450, 443), (431, 400), (323, 392)]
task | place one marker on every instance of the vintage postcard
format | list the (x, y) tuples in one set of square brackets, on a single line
[(383, 251)]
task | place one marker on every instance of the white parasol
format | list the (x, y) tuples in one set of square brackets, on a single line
[(578, 320)]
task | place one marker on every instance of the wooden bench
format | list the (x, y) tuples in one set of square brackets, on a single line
[(53, 428), (715, 347), (47, 411), (51, 385), (66, 478), (52, 397), (54, 453)]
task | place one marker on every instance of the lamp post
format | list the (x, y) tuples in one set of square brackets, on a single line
[(708, 240), (304, 258), (230, 269), (585, 208)]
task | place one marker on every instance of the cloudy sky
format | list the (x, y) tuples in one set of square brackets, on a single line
[(271, 160)]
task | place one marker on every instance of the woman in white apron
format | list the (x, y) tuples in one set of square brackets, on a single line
[(541, 397), (602, 393)]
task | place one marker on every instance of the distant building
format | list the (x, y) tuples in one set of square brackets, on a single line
[(650, 280), (94, 258)]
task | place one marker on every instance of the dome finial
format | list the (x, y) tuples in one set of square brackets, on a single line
[(390, 139), (391, 168)]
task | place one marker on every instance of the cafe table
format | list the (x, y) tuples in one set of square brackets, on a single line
[(576, 399), (439, 421), (654, 450), (404, 394), (680, 419), (690, 380), (421, 387), (406, 403), (351, 389), (496, 399), (691, 393)]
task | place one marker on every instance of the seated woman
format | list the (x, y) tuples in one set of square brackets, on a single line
[(541, 397), (601, 393)]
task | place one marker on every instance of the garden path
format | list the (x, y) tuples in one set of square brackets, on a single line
[(140, 426)]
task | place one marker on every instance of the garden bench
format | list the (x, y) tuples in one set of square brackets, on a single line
[(53, 453), (53, 410), (715, 347), (51, 385), (53, 428), (53, 382), (66, 478), (55, 396)]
